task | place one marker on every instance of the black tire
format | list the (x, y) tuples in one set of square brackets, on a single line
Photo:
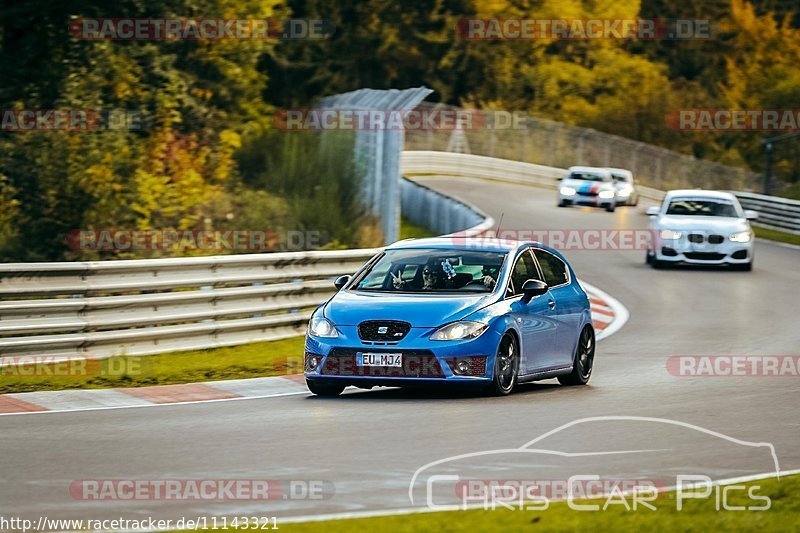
[(611, 207), (648, 258), (744, 267), (506, 367), (562, 203), (320, 389), (658, 264), (583, 361)]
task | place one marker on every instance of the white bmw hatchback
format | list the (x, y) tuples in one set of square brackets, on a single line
[(703, 228)]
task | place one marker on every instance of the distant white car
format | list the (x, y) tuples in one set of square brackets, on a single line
[(626, 188), (588, 186), (703, 228)]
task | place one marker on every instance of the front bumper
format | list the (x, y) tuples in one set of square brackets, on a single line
[(728, 252), (585, 199), (425, 362)]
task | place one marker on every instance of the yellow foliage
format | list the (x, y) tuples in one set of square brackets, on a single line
[(173, 185)]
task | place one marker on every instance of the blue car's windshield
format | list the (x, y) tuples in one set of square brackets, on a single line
[(433, 271)]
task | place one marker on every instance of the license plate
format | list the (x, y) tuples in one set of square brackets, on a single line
[(380, 359)]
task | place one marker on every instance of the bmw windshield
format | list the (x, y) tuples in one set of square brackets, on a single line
[(587, 176), (702, 207), (433, 271)]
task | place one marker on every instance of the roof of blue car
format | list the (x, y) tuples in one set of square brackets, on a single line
[(459, 242)]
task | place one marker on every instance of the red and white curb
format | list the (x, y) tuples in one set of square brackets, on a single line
[(160, 395), (608, 313), (608, 316)]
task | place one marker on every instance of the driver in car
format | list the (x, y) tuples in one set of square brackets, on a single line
[(489, 278), (430, 277)]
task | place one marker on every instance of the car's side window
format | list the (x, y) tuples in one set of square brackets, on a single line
[(553, 268), (524, 269)]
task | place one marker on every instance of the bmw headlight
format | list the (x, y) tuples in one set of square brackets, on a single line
[(606, 194), (624, 192), (568, 191), (743, 236), (322, 327), (669, 235), (457, 331)]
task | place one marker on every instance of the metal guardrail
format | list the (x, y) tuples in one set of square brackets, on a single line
[(531, 139), (104, 308), (139, 307), (773, 212), (440, 213)]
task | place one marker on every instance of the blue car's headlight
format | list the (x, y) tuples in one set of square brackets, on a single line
[(322, 327), (457, 331)]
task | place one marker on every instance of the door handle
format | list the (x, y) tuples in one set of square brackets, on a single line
[(551, 304)]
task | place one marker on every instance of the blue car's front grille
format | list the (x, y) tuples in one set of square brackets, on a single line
[(383, 330), (416, 364)]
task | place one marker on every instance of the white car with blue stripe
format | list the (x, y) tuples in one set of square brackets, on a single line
[(588, 186)]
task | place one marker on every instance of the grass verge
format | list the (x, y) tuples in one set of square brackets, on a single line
[(253, 360), (698, 515), (776, 235)]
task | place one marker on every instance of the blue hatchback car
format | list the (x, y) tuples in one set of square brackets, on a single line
[(488, 314)]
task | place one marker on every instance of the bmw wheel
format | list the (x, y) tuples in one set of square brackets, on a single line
[(324, 390), (506, 367), (584, 360), (659, 264)]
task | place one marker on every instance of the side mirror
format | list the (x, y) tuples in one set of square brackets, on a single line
[(533, 288), (341, 281), (653, 211), (749, 214)]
